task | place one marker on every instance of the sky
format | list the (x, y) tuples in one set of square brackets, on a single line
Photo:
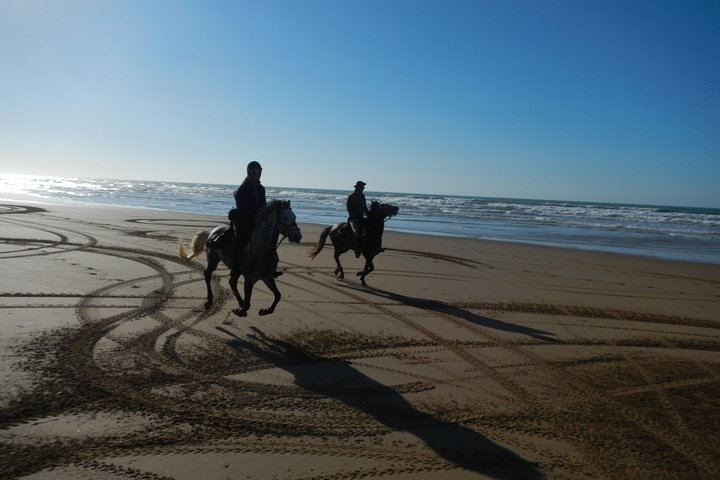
[(613, 100)]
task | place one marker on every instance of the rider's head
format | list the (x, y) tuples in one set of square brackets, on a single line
[(360, 185), (254, 170)]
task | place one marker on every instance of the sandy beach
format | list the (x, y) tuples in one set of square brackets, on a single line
[(461, 359)]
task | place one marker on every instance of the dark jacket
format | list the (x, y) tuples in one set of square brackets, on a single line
[(249, 199), (356, 206)]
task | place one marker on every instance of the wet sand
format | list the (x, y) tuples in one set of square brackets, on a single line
[(461, 359)]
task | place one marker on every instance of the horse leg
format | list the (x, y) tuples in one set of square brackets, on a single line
[(234, 276), (270, 282), (369, 267), (341, 243), (248, 287), (339, 273), (213, 261)]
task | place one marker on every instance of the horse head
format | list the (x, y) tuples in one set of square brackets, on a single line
[(286, 222), (383, 210)]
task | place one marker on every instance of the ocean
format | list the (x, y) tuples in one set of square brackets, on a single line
[(673, 233)]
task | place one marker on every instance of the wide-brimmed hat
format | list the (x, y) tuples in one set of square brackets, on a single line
[(360, 183)]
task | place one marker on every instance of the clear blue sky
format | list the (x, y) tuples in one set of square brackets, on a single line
[(578, 100)]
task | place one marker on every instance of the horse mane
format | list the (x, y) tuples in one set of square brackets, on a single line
[(375, 207), (271, 206), (264, 211)]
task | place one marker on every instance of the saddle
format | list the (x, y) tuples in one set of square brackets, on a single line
[(220, 239), (345, 231)]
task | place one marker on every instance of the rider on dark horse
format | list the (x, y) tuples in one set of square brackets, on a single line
[(357, 209)]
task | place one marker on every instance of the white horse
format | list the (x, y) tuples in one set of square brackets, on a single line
[(259, 257)]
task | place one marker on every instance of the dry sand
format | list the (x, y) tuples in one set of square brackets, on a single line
[(462, 359)]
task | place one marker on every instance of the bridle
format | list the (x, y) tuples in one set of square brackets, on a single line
[(385, 217), (278, 213)]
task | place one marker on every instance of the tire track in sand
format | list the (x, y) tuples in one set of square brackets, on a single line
[(196, 409), (680, 440)]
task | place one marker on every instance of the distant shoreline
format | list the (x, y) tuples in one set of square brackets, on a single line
[(674, 233), (220, 219)]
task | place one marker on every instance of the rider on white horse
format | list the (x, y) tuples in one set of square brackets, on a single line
[(249, 199)]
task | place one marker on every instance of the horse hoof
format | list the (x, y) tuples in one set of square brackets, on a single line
[(208, 304), (240, 313), (265, 311)]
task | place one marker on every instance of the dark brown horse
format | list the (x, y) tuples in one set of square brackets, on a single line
[(371, 242), (259, 257)]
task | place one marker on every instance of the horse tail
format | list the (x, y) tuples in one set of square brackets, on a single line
[(197, 245), (312, 253)]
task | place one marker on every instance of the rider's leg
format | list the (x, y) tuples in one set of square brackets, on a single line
[(355, 227), (242, 234)]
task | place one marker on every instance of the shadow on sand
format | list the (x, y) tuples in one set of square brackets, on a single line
[(443, 308), (339, 380)]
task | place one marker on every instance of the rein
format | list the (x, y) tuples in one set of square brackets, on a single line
[(274, 227)]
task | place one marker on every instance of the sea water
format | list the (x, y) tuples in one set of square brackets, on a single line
[(675, 233)]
